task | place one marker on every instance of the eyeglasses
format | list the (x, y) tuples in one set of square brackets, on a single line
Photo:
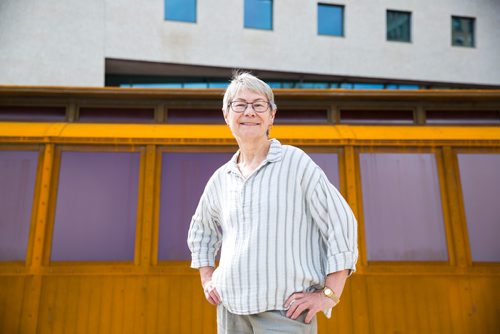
[(257, 106)]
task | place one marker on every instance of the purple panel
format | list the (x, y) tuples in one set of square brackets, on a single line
[(28, 113), (480, 178), (96, 207), (17, 185), (329, 163), (125, 115), (301, 116), (184, 176), (195, 116), (376, 116), (402, 207)]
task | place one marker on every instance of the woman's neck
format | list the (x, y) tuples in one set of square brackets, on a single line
[(252, 153)]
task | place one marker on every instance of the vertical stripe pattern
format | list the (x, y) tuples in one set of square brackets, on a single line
[(280, 230)]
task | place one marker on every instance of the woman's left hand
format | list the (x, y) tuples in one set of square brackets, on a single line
[(299, 302)]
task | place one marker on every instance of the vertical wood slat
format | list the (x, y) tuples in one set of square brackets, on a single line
[(11, 306)]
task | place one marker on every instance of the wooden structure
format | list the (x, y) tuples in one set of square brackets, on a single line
[(149, 295)]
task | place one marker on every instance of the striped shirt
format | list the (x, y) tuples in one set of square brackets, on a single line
[(281, 230)]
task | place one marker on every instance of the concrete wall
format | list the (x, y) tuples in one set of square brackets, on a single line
[(67, 41), (52, 42)]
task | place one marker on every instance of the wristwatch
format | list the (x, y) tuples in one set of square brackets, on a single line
[(330, 294)]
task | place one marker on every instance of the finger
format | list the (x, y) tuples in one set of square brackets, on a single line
[(292, 307), (298, 311), (215, 296), (310, 315)]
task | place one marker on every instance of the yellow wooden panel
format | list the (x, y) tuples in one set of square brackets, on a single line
[(11, 298), (484, 310), (418, 304), (97, 132)]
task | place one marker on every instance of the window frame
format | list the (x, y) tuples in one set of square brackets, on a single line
[(406, 266), (22, 265), (342, 24), (463, 233), (410, 28), (473, 33), (71, 266)]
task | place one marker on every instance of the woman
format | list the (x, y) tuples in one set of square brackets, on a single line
[(287, 237)]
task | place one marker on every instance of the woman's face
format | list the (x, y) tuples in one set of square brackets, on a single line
[(249, 124)]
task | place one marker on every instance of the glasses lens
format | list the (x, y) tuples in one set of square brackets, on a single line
[(260, 106), (239, 106)]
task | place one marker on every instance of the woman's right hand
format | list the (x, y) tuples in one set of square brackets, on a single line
[(209, 289)]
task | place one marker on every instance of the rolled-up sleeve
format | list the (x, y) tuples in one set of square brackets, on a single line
[(337, 225), (204, 236)]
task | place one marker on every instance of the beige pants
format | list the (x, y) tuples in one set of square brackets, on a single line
[(262, 323)]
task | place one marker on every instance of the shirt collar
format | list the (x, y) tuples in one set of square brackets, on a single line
[(275, 154)]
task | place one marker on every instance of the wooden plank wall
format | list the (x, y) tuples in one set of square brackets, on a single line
[(147, 297)]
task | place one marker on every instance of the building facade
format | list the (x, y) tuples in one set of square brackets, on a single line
[(451, 43)]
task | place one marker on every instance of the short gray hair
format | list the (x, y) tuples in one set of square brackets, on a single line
[(246, 80)]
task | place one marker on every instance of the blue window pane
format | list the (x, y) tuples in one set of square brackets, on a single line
[(346, 85), (368, 86), (180, 10), (258, 14), (157, 85), (195, 85), (218, 84), (330, 20), (398, 26), (408, 87), (462, 31)]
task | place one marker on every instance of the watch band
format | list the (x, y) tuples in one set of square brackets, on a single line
[(331, 294)]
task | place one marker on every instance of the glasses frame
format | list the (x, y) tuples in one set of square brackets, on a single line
[(230, 105)]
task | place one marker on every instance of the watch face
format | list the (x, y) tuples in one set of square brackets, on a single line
[(328, 292)]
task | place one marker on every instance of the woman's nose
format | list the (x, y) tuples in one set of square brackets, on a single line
[(249, 110)]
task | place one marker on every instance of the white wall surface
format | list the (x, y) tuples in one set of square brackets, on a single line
[(52, 42), (66, 42)]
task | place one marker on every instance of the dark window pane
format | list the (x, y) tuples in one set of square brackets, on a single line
[(96, 207), (116, 115), (329, 163), (330, 20), (462, 31), (462, 117), (28, 113), (301, 116), (17, 185), (398, 26), (402, 207), (258, 14), (180, 10), (480, 179), (184, 176), (376, 116), (195, 116)]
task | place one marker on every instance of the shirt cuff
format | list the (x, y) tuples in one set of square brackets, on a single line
[(197, 262), (341, 261)]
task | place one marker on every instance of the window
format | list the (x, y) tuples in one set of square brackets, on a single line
[(182, 184), (96, 206), (462, 31), (398, 26), (329, 163), (402, 207), (17, 186), (258, 14), (480, 180), (330, 20), (180, 10)]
